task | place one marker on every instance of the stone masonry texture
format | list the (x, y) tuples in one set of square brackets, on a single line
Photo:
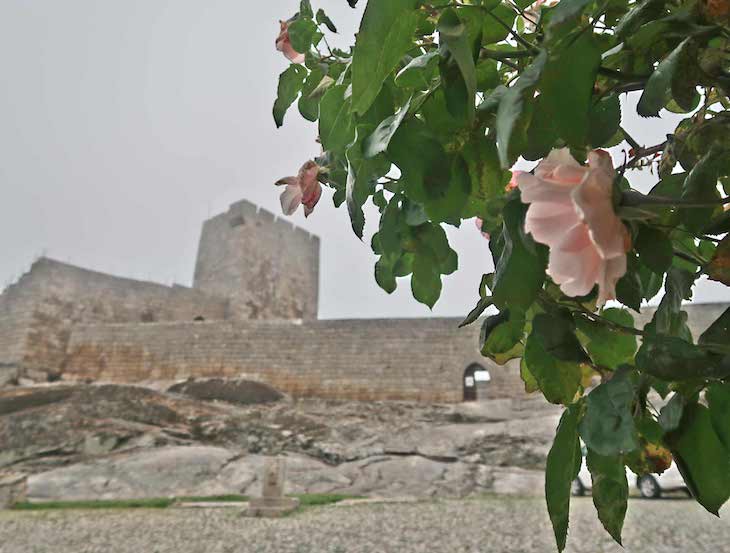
[(368, 359), (266, 267), (399, 359), (38, 313)]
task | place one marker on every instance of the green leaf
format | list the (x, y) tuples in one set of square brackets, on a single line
[(719, 267), (438, 181), (487, 75), (644, 11), (497, 24), (567, 84), (669, 318), (511, 107), (322, 19), (336, 125), (629, 290), (378, 142), (542, 133), (419, 72), (475, 313), (701, 186), (552, 356), (718, 401), (454, 35), (308, 101), (305, 9), (520, 269), (361, 175), (718, 332), (610, 491), (384, 275), (673, 359), (671, 414), (567, 10), (302, 34), (385, 36), (657, 91), (556, 333), (531, 384), (608, 347), (488, 179), (425, 282), (290, 84), (608, 425), (655, 249), (719, 225), (563, 465), (702, 458), (501, 336)]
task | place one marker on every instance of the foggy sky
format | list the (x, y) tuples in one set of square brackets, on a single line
[(125, 124)]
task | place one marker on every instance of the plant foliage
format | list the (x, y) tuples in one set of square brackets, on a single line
[(425, 116)]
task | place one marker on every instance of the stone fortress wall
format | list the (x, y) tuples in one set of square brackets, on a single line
[(396, 359), (366, 359), (265, 266), (251, 313), (39, 312)]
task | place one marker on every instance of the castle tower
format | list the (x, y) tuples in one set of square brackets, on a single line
[(265, 266)]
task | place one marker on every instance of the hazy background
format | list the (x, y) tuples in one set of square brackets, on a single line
[(125, 124)]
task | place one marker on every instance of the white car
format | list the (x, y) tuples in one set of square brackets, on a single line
[(650, 486)]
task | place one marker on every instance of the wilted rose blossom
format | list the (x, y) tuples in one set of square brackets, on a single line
[(304, 189), (283, 44), (571, 211), (531, 13), (479, 223), (512, 184)]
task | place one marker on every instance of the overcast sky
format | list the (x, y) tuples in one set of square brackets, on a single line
[(125, 124)]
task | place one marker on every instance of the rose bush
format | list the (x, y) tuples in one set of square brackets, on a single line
[(426, 116)]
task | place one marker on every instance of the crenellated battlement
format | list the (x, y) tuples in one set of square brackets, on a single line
[(244, 209)]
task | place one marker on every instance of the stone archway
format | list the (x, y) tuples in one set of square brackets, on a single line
[(475, 381)]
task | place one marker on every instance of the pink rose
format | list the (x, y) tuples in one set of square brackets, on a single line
[(283, 44), (512, 184), (571, 211), (479, 223), (304, 189), (531, 14)]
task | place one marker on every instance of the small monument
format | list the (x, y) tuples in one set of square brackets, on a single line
[(272, 502), (13, 489)]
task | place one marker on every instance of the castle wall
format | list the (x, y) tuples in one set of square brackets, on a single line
[(267, 267), (403, 359), (37, 312), (407, 359)]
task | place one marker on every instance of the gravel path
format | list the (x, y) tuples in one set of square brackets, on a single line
[(495, 525)]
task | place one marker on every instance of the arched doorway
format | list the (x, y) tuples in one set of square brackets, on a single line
[(475, 382)]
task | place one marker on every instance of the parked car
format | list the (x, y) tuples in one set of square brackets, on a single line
[(650, 486)]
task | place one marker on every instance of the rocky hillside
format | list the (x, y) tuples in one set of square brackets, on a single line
[(111, 441)]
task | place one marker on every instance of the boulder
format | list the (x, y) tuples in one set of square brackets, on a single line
[(241, 392), (162, 472)]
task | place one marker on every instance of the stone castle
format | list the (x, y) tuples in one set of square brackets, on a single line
[(251, 313)]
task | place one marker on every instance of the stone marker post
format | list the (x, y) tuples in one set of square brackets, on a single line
[(272, 502), (13, 488)]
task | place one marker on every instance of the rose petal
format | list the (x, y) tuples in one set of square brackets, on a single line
[(290, 199), (614, 269), (593, 201), (286, 180), (550, 230)]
